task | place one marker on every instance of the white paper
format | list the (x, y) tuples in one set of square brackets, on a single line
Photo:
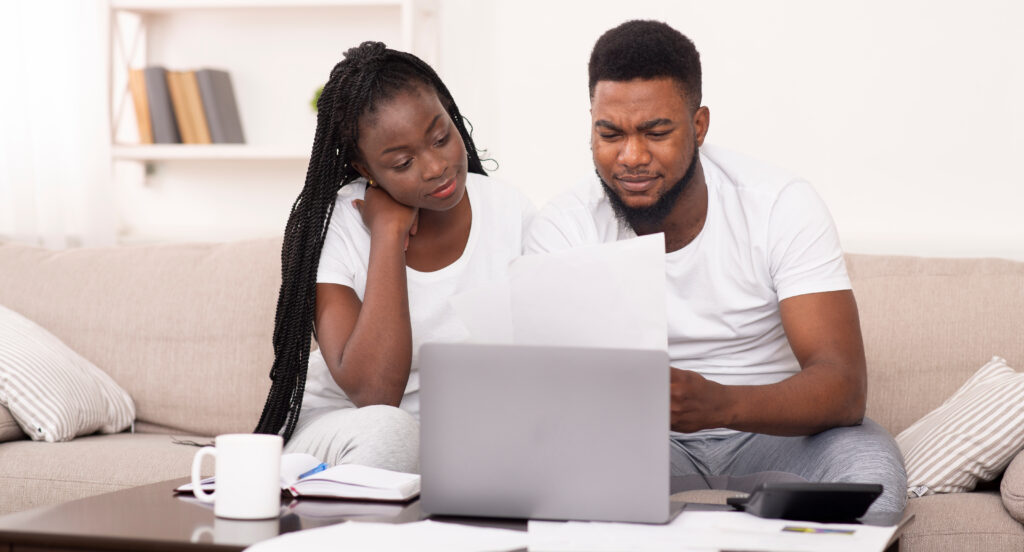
[(607, 295), (708, 531), (486, 311), (427, 536)]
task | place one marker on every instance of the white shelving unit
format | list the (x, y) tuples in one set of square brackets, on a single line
[(278, 52)]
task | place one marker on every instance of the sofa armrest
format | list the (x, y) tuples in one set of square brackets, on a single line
[(1012, 487)]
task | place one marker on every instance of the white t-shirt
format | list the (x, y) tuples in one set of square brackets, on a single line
[(767, 237), (500, 216)]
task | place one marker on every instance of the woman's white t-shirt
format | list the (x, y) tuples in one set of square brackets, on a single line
[(500, 215)]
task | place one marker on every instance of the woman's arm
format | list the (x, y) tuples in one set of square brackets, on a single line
[(368, 344)]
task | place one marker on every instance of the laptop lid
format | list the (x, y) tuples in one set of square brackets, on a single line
[(544, 432)]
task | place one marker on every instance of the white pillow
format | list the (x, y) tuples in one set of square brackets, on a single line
[(969, 438), (52, 392)]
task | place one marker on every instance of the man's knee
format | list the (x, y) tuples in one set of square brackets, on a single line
[(866, 454)]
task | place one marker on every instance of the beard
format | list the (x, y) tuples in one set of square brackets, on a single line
[(651, 215)]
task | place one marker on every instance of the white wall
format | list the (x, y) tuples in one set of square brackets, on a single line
[(907, 116)]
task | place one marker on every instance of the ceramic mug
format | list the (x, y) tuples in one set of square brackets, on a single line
[(248, 476)]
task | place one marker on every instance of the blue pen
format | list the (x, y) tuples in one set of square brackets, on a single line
[(320, 467)]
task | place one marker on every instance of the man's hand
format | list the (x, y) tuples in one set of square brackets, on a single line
[(381, 213), (697, 403)]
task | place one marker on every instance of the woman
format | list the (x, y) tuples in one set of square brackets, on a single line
[(368, 269)]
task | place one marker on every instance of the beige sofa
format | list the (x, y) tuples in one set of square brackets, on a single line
[(186, 330)]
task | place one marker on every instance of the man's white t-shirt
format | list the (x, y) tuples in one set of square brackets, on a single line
[(767, 237), (500, 216)]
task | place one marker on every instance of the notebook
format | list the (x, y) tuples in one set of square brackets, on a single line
[(544, 432)]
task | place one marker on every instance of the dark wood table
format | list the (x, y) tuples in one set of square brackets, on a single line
[(151, 517)]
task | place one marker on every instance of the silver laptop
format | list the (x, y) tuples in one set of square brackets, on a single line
[(544, 432)]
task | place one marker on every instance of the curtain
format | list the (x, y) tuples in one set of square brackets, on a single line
[(55, 169)]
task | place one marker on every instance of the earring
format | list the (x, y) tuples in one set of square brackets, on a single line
[(372, 184)]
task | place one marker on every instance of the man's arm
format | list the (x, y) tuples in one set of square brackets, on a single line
[(823, 330)]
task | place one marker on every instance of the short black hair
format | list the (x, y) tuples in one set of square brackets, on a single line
[(641, 49)]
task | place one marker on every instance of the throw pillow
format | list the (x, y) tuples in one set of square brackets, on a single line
[(9, 428), (1012, 488), (969, 438), (53, 392)]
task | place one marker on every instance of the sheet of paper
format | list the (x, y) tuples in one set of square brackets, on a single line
[(428, 536), (606, 295), (708, 531), (486, 311)]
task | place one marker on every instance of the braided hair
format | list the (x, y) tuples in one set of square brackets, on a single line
[(368, 75)]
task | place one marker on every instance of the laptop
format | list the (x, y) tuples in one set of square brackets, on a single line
[(539, 432)]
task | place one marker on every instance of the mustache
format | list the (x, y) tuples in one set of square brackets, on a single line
[(643, 174)]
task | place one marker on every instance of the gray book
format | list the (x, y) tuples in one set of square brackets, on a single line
[(161, 110), (219, 106)]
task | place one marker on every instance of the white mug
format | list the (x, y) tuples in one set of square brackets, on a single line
[(248, 476)]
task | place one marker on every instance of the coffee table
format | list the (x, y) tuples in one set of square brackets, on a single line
[(151, 517)]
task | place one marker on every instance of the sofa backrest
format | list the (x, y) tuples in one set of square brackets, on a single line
[(186, 329), (929, 324)]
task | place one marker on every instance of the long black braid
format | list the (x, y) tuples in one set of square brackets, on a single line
[(368, 75)]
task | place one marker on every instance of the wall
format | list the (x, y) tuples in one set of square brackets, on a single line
[(906, 116)]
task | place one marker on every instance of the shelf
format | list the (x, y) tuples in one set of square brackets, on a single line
[(212, 152), (155, 6)]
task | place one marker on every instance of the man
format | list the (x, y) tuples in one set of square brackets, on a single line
[(768, 376)]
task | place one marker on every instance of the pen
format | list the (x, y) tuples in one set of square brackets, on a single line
[(817, 530), (319, 468)]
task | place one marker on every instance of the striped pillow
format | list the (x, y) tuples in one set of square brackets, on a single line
[(9, 428), (52, 392), (969, 438)]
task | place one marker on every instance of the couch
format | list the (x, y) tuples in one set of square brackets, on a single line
[(186, 330)]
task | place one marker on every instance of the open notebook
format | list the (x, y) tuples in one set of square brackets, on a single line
[(304, 475)]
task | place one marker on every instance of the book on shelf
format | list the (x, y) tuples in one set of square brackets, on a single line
[(219, 106), (161, 110), (188, 108), (194, 103), (137, 87), (177, 93), (304, 475)]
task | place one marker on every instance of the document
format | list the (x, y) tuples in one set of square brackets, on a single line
[(425, 536), (607, 295), (712, 530)]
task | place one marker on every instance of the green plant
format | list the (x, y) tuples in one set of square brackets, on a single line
[(316, 98)]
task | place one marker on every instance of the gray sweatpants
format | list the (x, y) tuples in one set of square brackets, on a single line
[(859, 454), (379, 436)]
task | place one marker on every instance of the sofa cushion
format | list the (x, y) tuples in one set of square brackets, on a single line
[(971, 437), (1012, 488), (929, 323), (54, 393), (962, 521), (186, 329), (9, 428), (36, 474)]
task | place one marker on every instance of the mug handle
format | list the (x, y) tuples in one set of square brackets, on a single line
[(197, 463)]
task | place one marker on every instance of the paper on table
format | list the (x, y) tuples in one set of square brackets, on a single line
[(425, 536), (708, 531), (606, 295)]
